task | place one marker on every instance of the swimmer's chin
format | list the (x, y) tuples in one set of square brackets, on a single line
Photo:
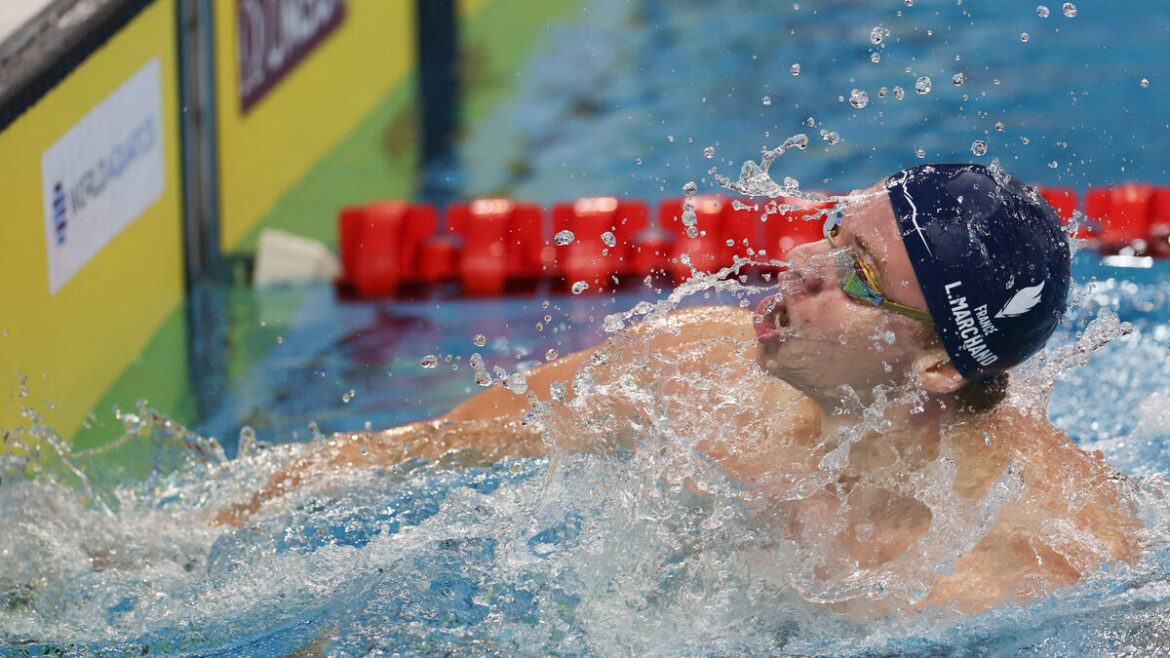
[(768, 357)]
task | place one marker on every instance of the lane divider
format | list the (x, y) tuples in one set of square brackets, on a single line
[(592, 244)]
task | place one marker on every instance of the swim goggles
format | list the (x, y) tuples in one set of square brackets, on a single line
[(857, 278)]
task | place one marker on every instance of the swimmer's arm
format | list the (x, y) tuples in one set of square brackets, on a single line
[(500, 402), (690, 327), (476, 441)]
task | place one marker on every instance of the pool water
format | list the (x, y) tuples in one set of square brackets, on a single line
[(585, 554)]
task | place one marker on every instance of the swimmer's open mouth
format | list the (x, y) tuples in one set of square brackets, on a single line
[(771, 319)]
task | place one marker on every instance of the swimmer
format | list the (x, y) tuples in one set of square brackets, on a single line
[(927, 289)]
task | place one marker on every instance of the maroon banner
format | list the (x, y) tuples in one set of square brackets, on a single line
[(277, 34)]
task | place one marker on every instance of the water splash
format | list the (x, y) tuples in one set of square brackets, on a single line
[(754, 180), (552, 555)]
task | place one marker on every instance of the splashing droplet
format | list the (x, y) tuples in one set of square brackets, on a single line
[(882, 92), (1070, 10), (692, 232), (875, 58), (609, 239), (690, 189), (767, 100), (923, 85), (1024, 37), (979, 147), (482, 377), (795, 69), (920, 152), (517, 383), (858, 98), (709, 152), (1144, 83), (909, 3), (480, 340), (958, 79), (579, 287), (830, 136), (564, 237), (999, 126), (429, 361), (875, 35), (1042, 11), (551, 355), (899, 93)]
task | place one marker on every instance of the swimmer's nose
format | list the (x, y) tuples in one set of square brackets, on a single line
[(813, 265)]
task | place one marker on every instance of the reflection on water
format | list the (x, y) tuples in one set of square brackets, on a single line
[(610, 553)]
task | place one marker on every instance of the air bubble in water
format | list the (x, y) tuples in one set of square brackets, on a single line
[(922, 85), (1024, 37), (767, 100), (709, 152), (480, 340), (899, 93), (875, 35), (551, 354), (979, 147), (690, 189), (958, 79), (579, 287), (1042, 11), (609, 239), (920, 152), (429, 361), (858, 98), (795, 69), (1070, 10), (564, 237)]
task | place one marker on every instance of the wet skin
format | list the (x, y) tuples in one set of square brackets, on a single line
[(812, 358)]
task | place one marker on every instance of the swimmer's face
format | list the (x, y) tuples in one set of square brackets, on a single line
[(816, 337)]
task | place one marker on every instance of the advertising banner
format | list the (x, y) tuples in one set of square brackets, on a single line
[(103, 173), (274, 35)]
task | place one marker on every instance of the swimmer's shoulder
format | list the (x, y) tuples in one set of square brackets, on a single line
[(1063, 481)]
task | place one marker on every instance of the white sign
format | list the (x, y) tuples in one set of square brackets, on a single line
[(103, 174)]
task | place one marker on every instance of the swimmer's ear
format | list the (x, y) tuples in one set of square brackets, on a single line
[(935, 373)]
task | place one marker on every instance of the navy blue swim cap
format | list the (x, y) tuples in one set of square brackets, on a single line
[(991, 257)]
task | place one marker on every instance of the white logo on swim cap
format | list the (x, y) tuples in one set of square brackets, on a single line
[(1021, 302)]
